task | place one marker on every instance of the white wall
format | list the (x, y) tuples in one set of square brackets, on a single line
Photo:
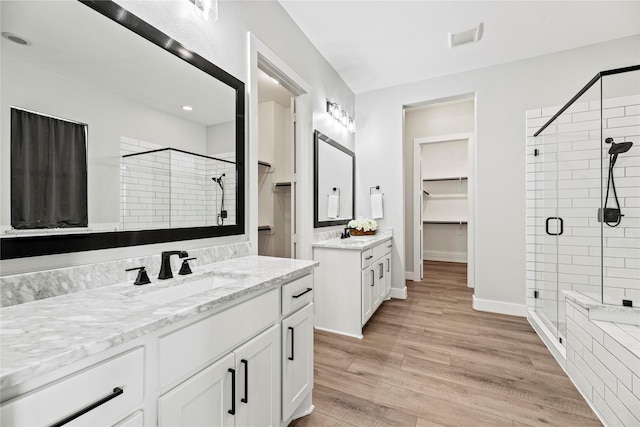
[(225, 43), (503, 94)]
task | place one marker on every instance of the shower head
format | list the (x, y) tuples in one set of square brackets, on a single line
[(621, 147), (218, 180)]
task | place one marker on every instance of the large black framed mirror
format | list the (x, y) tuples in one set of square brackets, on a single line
[(165, 146), (334, 182)]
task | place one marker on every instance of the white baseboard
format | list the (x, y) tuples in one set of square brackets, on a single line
[(444, 256), (499, 307), (408, 275), (339, 332), (398, 293)]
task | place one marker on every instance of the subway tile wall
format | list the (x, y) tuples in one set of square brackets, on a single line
[(603, 361), (566, 180), (174, 189)]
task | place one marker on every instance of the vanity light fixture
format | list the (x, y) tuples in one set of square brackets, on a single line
[(206, 9), (341, 116)]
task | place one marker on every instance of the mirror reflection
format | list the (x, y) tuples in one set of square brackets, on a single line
[(161, 133), (334, 184)]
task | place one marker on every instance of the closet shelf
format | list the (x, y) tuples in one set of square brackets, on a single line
[(448, 196), (265, 164), (448, 221), (264, 228), (447, 178)]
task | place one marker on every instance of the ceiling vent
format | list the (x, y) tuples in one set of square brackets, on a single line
[(465, 37)]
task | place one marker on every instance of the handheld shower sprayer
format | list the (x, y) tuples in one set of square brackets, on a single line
[(223, 213), (613, 216)]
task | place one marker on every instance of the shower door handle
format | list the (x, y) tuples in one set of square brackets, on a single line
[(561, 224)]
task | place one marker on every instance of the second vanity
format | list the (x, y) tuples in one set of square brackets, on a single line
[(237, 354), (352, 281)]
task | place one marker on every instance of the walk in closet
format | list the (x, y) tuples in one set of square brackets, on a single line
[(275, 159), (445, 207)]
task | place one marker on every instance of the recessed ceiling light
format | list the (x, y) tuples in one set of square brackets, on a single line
[(16, 39), (187, 108)]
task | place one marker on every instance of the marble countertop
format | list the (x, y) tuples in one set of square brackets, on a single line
[(359, 243), (41, 336)]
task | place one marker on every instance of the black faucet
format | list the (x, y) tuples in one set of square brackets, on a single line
[(165, 266), (346, 233)]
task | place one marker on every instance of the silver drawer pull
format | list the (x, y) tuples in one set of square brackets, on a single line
[(369, 257), (302, 293)]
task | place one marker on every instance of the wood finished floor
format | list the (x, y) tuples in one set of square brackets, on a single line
[(431, 360)]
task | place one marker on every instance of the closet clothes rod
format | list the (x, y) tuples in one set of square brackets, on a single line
[(445, 222), (459, 178)]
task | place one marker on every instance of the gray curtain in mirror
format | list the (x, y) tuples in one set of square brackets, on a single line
[(48, 172)]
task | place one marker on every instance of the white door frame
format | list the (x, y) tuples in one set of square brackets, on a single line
[(261, 56), (417, 202)]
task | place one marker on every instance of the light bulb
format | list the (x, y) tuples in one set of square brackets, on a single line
[(206, 9), (344, 119)]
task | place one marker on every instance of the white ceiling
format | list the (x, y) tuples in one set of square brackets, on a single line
[(380, 43)]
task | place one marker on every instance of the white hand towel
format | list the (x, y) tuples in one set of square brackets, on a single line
[(333, 210), (376, 206)]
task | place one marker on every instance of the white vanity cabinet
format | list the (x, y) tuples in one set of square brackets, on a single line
[(352, 281), (100, 395), (245, 362)]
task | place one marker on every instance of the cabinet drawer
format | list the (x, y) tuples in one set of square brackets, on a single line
[(189, 349), (367, 257), (379, 251), (54, 402), (297, 294), (388, 245)]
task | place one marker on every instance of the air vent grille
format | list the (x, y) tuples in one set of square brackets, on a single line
[(465, 37)]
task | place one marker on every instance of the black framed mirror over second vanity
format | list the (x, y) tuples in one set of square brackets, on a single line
[(164, 133), (334, 182)]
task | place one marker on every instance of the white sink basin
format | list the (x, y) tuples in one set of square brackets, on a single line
[(184, 290)]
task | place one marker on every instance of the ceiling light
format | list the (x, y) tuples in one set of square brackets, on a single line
[(187, 108), (464, 37), (206, 9)]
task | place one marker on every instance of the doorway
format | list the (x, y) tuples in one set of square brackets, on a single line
[(442, 141), (286, 188), (276, 165)]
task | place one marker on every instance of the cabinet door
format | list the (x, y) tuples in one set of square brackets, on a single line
[(203, 400), (387, 275), (258, 380), (297, 359), (378, 289), (368, 284)]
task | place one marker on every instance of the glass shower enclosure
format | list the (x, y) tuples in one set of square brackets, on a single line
[(583, 198)]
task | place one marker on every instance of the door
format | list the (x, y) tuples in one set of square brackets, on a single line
[(378, 289), (387, 275), (294, 181), (203, 400), (258, 377), (297, 359), (368, 283), (543, 183)]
